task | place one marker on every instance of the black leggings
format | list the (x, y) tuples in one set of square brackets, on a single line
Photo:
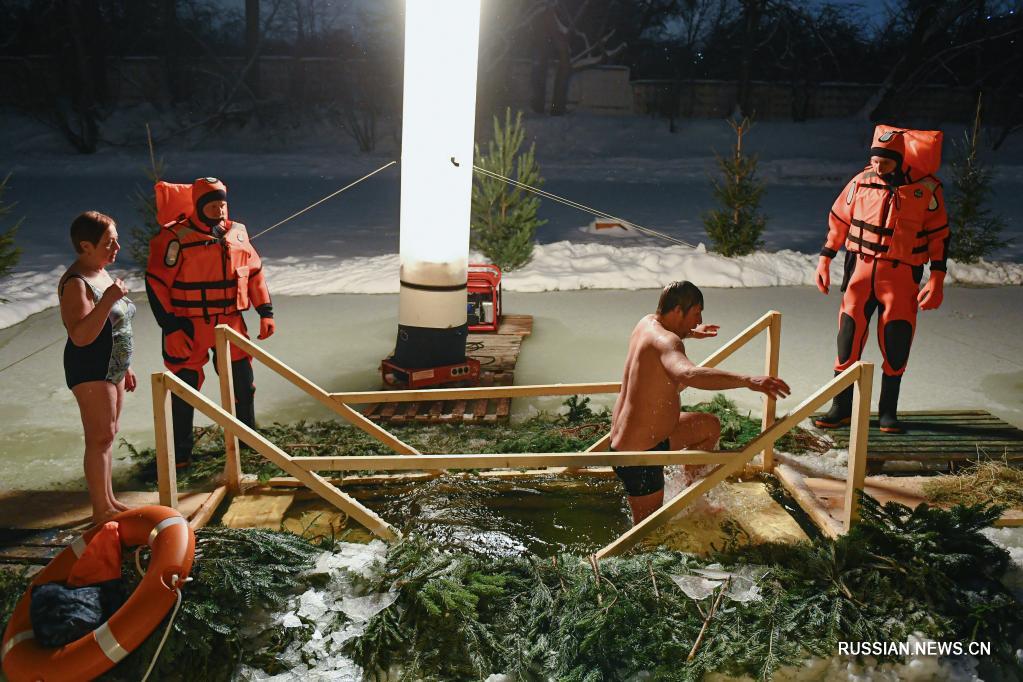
[(643, 480), (182, 412)]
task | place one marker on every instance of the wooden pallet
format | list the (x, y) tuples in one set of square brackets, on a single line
[(939, 440), (498, 353)]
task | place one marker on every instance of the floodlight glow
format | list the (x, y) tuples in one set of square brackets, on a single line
[(438, 121)]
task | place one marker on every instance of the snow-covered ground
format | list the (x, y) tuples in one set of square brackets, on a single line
[(630, 167), (966, 354)]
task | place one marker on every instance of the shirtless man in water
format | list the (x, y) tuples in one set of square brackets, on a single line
[(646, 415)]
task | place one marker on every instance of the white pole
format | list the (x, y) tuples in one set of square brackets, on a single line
[(438, 122)]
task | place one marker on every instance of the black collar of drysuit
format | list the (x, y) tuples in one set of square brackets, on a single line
[(895, 178)]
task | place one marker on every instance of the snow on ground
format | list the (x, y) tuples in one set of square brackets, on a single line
[(629, 166), (561, 266)]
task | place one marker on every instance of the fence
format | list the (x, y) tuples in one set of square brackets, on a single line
[(408, 458)]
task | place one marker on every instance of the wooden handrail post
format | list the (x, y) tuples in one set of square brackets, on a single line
[(858, 432), (771, 369), (163, 428), (232, 463)]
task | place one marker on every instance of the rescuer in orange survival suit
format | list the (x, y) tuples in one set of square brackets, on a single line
[(203, 271), (891, 223)]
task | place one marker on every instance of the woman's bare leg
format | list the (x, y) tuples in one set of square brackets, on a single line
[(97, 403), (117, 428)]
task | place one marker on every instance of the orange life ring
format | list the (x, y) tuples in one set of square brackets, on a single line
[(173, 545)]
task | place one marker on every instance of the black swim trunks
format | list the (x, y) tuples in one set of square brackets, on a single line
[(643, 480)]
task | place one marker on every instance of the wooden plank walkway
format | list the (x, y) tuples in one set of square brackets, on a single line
[(938, 440), (498, 352), (39, 524)]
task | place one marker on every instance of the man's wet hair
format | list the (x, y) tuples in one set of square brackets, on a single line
[(89, 227), (683, 293)]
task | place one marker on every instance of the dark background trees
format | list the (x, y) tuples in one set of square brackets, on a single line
[(211, 52)]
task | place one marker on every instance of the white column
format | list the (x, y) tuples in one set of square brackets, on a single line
[(438, 121)]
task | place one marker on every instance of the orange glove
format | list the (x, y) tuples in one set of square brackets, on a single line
[(933, 293), (267, 327), (177, 344), (824, 274)]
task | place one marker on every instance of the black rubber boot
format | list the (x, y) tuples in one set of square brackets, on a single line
[(840, 413), (244, 393), (888, 405), (181, 414)]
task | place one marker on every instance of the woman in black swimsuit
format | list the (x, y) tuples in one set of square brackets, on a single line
[(97, 357)]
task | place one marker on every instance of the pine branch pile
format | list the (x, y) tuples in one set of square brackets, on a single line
[(460, 616), (573, 431), (239, 575), (13, 582)]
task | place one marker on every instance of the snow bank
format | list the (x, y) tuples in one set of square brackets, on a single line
[(561, 266)]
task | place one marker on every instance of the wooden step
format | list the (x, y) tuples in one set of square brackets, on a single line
[(943, 438)]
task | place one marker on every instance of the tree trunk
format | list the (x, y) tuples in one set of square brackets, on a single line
[(79, 123), (752, 10), (172, 76), (252, 46), (538, 85), (562, 74), (932, 20)]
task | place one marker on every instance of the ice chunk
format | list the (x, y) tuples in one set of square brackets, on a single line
[(311, 605), (290, 620), (695, 586), (364, 608)]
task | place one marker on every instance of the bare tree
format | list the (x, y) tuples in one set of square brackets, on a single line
[(752, 12), (252, 42), (581, 38), (928, 23)]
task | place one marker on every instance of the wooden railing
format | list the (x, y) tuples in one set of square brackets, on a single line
[(408, 458)]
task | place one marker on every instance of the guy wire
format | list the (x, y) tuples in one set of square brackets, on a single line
[(601, 214), (329, 196)]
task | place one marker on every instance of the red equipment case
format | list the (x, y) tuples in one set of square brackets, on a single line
[(483, 306), (395, 376)]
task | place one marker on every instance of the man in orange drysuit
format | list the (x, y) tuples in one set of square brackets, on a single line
[(890, 222), (203, 271)]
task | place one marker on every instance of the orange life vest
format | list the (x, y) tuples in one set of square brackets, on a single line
[(902, 222), (195, 272)]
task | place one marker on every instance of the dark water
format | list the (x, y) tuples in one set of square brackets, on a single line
[(543, 517)]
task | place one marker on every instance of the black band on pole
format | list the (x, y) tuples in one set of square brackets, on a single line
[(434, 287)]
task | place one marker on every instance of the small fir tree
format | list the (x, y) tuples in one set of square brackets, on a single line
[(503, 216), (975, 232), (736, 228), (144, 201), (9, 252)]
